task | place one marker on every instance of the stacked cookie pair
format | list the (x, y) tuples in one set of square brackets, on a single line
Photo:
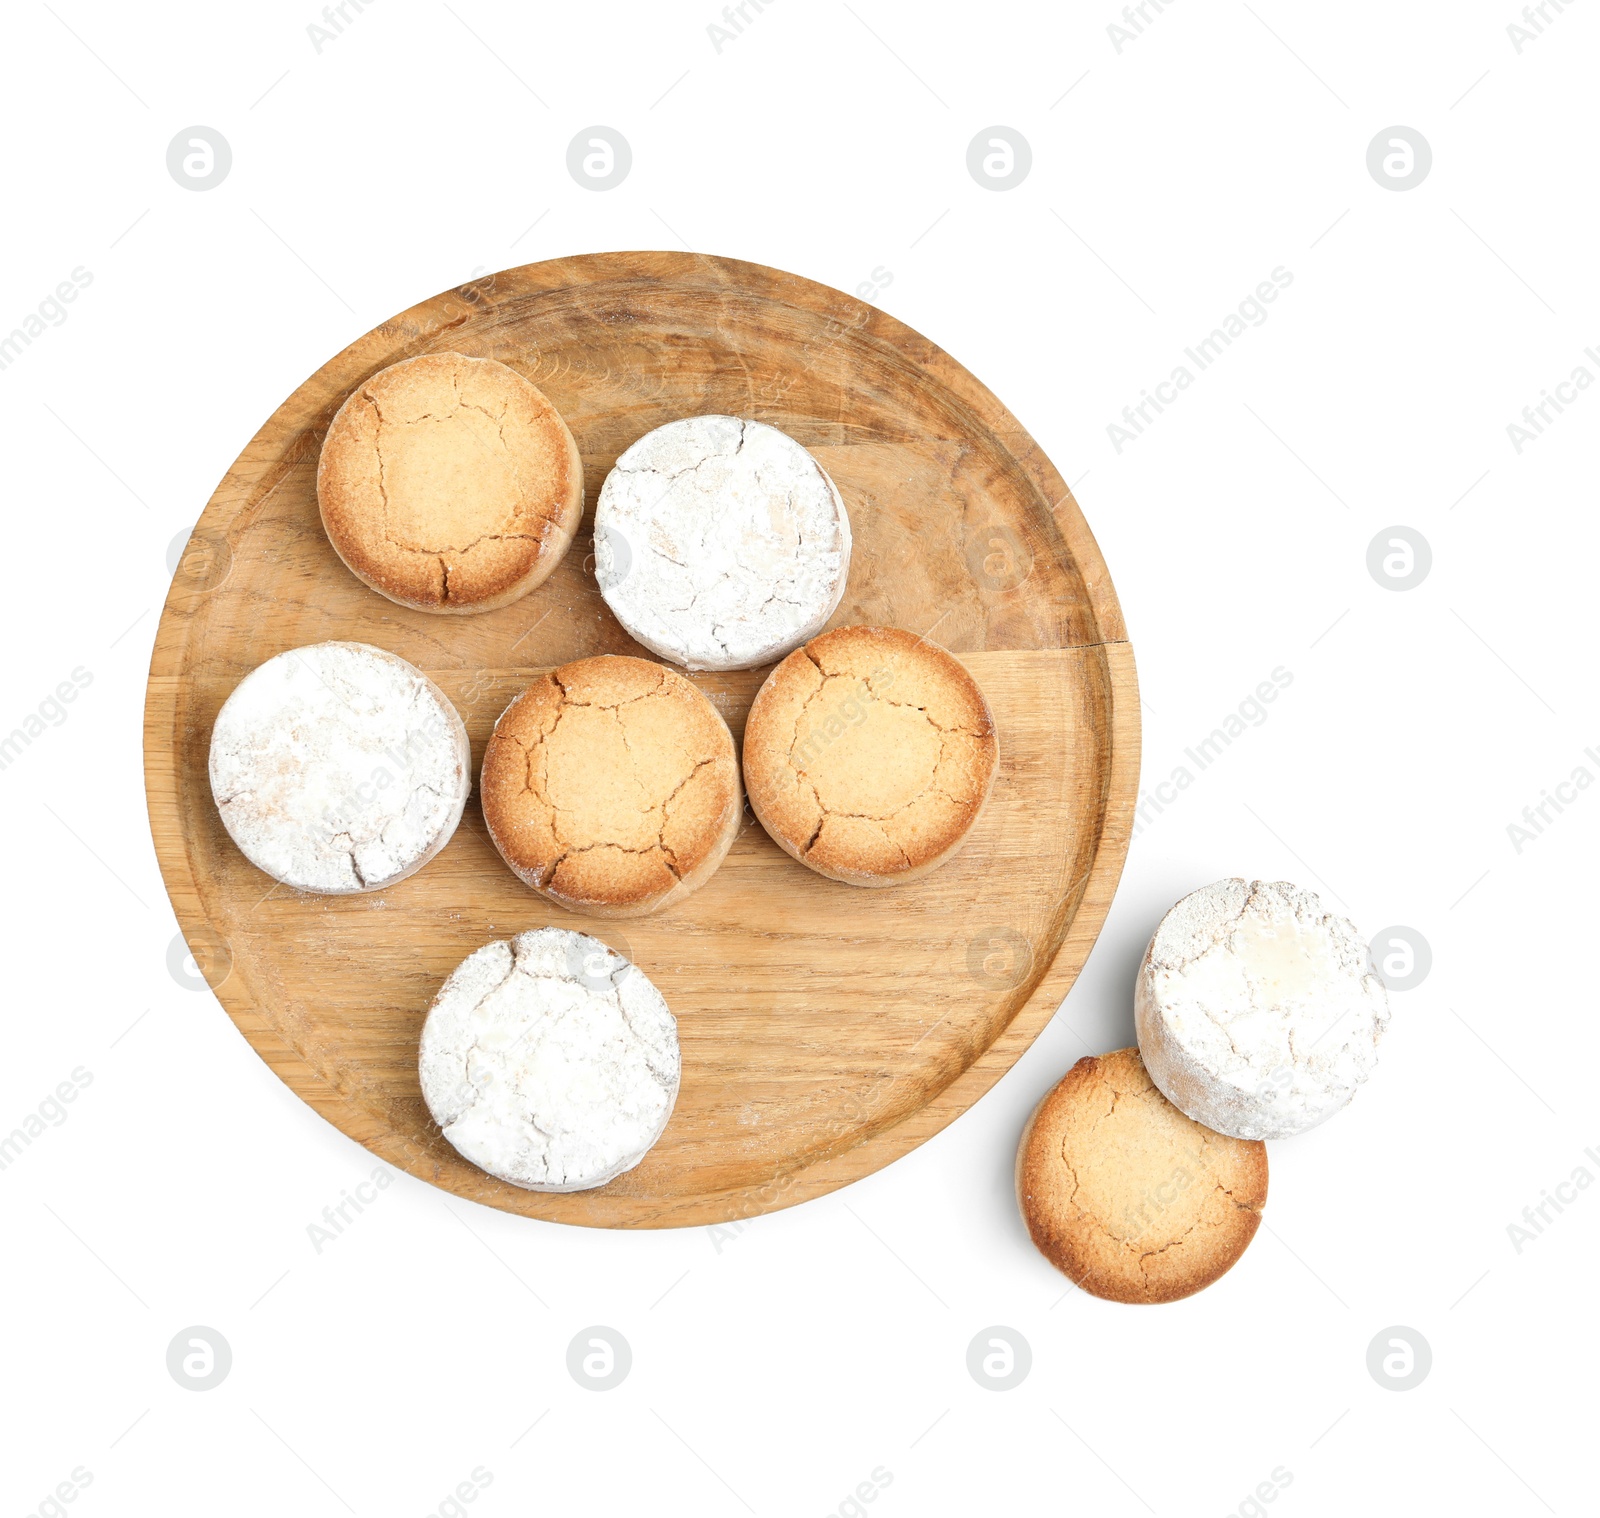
[(611, 785), (1142, 1175)]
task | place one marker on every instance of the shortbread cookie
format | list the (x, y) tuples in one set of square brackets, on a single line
[(1125, 1195), (550, 1061), (1258, 1010), (611, 787), (720, 543), (449, 484), (339, 767), (869, 754)]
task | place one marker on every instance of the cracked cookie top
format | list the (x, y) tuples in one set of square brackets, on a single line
[(720, 543), (869, 754), (449, 484), (550, 1061), (1125, 1195), (339, 767), (610, 785), (1258, 1010)]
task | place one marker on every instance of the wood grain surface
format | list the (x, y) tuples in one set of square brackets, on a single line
[(825, 1030)]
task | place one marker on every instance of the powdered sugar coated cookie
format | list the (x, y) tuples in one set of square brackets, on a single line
[(339, 767), (720, 543), (1258, 1010), (550, 1061)]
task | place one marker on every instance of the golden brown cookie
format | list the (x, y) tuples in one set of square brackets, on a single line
[(610, 786), (1128, 1197), (869, 754), (449, 484)]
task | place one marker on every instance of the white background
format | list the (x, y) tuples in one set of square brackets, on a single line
[(776, 1368)]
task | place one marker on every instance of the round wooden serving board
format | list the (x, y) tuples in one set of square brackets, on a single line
[(825, 1029)]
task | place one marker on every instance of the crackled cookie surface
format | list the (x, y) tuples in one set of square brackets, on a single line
[(339, 767), (449, 484), (720, 543), (1258, 1010), (1128, 1197), (550, 1061), (611, 786), (869, 754)]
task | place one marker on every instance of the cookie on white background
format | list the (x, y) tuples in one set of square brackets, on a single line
[(1258, 1010), (1127, 1197)]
